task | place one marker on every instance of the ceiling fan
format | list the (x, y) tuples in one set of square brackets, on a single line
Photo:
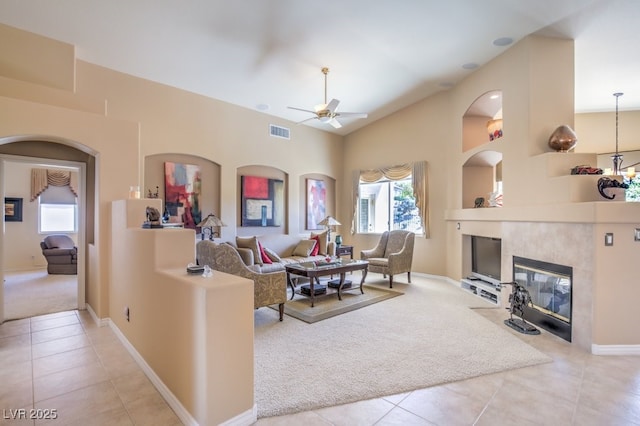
[(326, 112)]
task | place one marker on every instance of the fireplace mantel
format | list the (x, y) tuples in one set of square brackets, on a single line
[(590, 212)]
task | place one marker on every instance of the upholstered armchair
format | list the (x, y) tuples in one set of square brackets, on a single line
[(269, 288), (392, 255), (61, 254)]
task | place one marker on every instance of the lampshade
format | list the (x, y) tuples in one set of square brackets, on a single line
[(211, 220), (329, 221)]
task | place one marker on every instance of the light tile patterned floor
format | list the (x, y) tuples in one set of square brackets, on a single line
[(65, 362)]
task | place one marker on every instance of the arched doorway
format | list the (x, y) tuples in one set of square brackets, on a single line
[(52, 153)]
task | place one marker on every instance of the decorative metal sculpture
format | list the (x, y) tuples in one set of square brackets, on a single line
[(605, 182), (518, 300), (153, 218)]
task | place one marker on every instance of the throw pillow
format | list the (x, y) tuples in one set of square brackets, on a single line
[(263, 255), (316, 248), (304, 248), (272, 255), (250, 243), (322, 239)]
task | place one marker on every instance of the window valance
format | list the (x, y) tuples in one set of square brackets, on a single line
[(418, 173), (42, 178)]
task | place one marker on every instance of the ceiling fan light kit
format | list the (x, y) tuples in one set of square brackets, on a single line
[(326, 112)]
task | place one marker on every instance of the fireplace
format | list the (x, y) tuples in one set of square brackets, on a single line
[(549, 286)]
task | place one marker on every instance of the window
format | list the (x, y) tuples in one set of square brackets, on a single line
[(633, 193), (391, 198), (58, 210), (386, 205)]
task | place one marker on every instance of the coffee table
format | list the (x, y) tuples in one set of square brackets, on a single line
[(314, 270)]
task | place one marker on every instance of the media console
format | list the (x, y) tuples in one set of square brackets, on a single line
[(480, 288)]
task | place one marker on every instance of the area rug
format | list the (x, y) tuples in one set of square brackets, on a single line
[(429, 336), (328, 305)]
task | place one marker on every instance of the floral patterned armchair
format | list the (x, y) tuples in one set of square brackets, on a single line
[(392, 255), (269, 288)]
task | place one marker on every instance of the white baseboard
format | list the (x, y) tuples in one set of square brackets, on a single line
[(243, 419), (173, 402), (615, 349), (247, 418), (100, 322)]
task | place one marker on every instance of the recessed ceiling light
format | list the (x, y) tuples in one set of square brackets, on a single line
[(262, 107), (502, 41), (470, 66)]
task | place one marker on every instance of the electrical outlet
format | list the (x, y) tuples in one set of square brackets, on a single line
[(608, 239)]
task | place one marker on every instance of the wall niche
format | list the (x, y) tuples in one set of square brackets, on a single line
[(482, 122)]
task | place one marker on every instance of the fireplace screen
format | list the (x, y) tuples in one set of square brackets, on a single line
[(549, 286)]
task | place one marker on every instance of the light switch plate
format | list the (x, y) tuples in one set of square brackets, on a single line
[(608, 239)]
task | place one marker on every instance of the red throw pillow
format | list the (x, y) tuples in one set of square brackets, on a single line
[(316, 248), (263, 255)]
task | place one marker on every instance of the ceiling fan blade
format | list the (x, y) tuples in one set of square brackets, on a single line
[(308, 119), (303, 110), (335, 123), (353, 114), (331, 106)]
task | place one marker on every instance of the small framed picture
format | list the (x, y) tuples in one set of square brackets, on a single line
[(12, 209)]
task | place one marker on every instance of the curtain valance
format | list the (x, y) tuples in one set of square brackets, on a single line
[(42, 178), (418, 173)]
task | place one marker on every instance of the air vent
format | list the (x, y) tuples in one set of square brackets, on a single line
[(279, 132)]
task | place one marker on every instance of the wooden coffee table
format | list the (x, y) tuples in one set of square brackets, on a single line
[(314, 270)]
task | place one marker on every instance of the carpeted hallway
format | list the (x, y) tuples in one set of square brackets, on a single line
[(35, 292)]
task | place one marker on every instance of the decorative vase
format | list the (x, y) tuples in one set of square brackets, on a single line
[(563, 139), (338, 240)]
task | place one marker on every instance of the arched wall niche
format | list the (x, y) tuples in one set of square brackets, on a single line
[(481, 175), (209, 173), (323, 206), (475, 121), (269, 173)]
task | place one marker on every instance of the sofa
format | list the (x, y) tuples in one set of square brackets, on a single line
[(269, 253), (61, 254), (269, 288)]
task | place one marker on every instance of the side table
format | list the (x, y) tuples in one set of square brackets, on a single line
[(344, 251)]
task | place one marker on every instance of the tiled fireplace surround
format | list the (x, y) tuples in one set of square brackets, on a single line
[(567, 244)]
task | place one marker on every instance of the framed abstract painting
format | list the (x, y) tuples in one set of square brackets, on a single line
[(262, 201), (316, 203), (182, 188)]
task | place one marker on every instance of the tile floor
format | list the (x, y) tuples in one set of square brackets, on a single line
[(64, 365), (65, 362)]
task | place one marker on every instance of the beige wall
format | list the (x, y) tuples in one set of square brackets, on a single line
[(597, 131), (121, 121)]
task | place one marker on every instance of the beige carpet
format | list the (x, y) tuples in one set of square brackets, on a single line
[(328, 305), (31, 293), (426, 337)]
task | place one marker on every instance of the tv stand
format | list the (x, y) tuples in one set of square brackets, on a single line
[(481, 288)]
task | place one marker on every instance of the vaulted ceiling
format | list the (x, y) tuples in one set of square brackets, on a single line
[(382, 55)]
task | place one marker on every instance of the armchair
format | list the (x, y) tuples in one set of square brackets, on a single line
[(61, 254), (392, 255), (269, 288)]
